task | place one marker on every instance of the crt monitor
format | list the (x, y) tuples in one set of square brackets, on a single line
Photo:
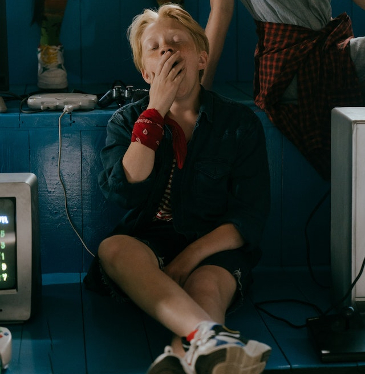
[(20, 272), (348, 204), (4, 66)]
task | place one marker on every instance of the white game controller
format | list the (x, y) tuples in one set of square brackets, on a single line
[(5, 347)]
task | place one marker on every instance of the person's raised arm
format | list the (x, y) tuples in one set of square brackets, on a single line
[(360, 3), (220, 16), (139, 159)]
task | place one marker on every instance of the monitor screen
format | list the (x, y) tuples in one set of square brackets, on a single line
[(8, 263)]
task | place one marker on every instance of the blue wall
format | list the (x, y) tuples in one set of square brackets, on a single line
[(97, 53), (96, 48)]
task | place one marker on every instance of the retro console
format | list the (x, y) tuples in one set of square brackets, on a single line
[(57, 101)]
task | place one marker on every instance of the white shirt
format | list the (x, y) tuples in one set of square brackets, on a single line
[(314, 14)]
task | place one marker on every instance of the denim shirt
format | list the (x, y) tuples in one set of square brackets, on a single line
[(225, 177)]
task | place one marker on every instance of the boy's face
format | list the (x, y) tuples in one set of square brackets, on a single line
[(160, 42)]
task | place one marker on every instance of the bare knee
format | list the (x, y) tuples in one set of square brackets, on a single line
[(110, 248), (124, 250), (211, 282)]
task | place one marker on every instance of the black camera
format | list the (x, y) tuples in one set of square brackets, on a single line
[(121, 96)]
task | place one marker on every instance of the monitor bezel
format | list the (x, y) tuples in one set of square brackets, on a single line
[(18, 304)]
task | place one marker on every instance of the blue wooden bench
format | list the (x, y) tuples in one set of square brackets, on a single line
[(78, 331)]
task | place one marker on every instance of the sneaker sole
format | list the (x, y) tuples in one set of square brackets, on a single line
[(233, 359), (168, 365)]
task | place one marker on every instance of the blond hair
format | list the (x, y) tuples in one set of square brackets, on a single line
[(149, 16)]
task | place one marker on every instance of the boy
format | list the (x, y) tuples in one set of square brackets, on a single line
[(191, 169)]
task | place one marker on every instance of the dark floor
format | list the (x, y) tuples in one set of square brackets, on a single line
[(77, 331)]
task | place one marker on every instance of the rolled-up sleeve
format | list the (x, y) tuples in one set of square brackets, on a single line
[(112, 180)]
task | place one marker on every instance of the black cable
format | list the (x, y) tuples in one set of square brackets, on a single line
[(349, 290), (258, 306), (319, 311), (30, 111), (309, 264)]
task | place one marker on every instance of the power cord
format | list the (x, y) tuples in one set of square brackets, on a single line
[(68, 109), (307, 242), (318, 310)]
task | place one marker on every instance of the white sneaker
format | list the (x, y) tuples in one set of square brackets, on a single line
[(215, 349), (169, 363), (51, 70)]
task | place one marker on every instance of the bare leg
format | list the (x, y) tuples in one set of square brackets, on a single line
[(134, 268), (213, 289)]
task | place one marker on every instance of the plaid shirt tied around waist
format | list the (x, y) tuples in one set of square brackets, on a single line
[(326, 78)]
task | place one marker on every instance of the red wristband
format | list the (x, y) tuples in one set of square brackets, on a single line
[(148, 129)]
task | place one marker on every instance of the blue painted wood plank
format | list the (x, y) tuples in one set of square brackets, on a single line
[(271, 243), (10, 118), (125, 69), (70, 37), (316, 288), (249, 322), (246, 87), (115, 336), (23, 40), (60, 247), (99, 216), (63, 306), (45, 119), (357, 17), (14, 151), (303, 188), (230, 90), (245, 44), (52, 341), (340, 6), (105, 50), (192, 7), (93, 119)]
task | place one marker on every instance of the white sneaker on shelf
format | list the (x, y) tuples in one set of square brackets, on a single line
[(51, 70)]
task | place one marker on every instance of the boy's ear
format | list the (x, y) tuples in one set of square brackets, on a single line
[(203, 60), (145, 76)]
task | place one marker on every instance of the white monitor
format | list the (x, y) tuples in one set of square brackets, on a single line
[(348, 203), (20, 271)]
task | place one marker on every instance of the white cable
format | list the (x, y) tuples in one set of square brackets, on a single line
[(67, 109)]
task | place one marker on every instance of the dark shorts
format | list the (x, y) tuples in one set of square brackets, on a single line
[(166, 244)]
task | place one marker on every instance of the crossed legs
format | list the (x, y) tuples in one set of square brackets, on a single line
[(205, 296)]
